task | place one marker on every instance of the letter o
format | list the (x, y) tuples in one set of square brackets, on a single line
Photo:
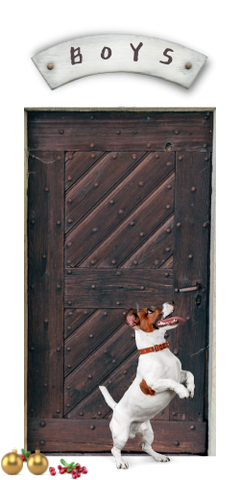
[(106, 53)]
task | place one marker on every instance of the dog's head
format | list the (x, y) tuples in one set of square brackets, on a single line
[(152, 318)]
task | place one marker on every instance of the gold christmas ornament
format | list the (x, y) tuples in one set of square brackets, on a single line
[(12, 463), (37, 463), (15, 448)]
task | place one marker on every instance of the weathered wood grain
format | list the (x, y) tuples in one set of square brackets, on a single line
[(105, 288), (45, 256), (191, 266), (151, 196), (72, 435), (82, 381), (94, 405), (101, 179), (87, 339), (77, 164), (83, 56), (73, 318), (116, 130), (156, 250), (112, 264)]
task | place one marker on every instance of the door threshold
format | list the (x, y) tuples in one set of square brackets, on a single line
[(99, 455)]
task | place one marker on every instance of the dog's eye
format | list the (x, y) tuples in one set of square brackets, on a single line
[(149, 310)]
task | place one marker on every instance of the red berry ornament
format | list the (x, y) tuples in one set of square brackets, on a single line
[(23, 458), (52, 471), (86, 469)]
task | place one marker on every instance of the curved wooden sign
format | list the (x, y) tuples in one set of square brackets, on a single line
[(92, 55)]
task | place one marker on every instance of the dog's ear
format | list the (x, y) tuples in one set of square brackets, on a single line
[(131, 318)]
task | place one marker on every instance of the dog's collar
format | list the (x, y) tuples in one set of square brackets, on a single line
[(155, 348)]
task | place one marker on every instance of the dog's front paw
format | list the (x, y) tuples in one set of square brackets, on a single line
[(190, 384), (182, 392), (191, 388)]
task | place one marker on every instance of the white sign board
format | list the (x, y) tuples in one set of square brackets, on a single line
[(92, 55)]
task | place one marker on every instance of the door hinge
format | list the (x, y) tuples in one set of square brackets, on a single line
[(190, 289)]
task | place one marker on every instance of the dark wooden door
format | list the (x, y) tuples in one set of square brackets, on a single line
[(119, 214)]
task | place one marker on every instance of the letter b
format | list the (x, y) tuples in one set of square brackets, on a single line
[(76, 56)]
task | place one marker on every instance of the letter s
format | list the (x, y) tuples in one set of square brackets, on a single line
[(165, 53)]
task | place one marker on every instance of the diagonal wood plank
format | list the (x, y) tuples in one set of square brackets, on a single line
[(77, 164), (168, 263), (89, 336), (74, 318), (135, 230), (105, 175), (157, 249), (146, 177), (101, 363), (94, 405)]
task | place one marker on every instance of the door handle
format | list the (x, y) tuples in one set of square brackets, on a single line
[(190, 289)]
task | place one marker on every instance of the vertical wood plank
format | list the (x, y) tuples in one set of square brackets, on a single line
[(25, 273), (191, 266), (45, 257)]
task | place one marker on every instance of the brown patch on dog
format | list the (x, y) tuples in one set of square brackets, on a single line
[(146, 389), (144, 319)]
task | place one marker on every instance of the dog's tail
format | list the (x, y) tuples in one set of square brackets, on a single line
[(108, 398)]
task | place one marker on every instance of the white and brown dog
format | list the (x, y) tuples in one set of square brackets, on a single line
[(158, 379)]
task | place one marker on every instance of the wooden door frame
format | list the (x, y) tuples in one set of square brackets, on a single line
[(212, 280)]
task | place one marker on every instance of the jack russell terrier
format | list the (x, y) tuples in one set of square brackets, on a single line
[(158, 379)]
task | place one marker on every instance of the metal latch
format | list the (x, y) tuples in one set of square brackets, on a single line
[(190, 289)]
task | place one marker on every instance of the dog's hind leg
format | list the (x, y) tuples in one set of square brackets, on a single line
[(146, 433), (120, 436)]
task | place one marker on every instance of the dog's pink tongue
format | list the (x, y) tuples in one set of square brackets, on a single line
[(180, 319)]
